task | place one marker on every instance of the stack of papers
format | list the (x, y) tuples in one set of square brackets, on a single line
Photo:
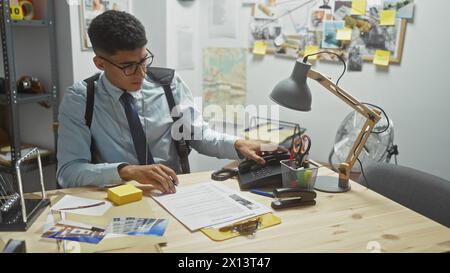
[(210, 205)]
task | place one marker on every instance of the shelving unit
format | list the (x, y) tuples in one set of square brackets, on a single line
[(12, 100)]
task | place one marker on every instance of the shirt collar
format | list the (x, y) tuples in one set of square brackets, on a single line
[(116, 92)]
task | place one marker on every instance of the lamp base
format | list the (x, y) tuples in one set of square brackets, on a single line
[(330, 185)]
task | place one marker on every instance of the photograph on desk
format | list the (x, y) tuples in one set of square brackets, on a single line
[(77, 232), (138, 226)]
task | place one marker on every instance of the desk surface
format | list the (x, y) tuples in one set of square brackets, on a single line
[(358, 221)]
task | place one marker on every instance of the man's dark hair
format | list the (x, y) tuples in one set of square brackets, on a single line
[(113, 30)]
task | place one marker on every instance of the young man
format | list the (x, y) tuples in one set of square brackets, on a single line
[(131, 124)]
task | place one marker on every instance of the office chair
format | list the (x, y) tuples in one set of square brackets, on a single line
[(424, 193), (15, 246)]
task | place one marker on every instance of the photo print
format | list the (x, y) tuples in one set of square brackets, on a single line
[(355, 60), (329, 34)]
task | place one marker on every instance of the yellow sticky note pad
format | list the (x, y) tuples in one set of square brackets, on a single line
[(344, 34), (387, 17), (311, 50), (359, 7), (382, 57), (16, 12), (124, 194), (260, 48)]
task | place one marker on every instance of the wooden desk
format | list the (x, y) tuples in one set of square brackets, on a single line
[(358, 221)]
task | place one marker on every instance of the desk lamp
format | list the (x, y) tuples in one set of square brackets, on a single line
[(294, 93)]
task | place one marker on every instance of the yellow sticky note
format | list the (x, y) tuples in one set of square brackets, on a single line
[(16, 12), (124, 194), (387, 17), (382, 57), (344, 34), (311, 49), (359, 7), (260, 48)]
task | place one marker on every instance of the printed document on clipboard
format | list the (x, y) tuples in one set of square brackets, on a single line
[(210, 205)]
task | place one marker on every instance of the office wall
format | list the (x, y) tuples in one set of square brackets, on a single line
[(414, 93)]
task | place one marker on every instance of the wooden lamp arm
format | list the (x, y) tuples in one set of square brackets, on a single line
[(372, 116)]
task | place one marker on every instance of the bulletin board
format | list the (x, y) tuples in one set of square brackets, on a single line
[(289, 28)]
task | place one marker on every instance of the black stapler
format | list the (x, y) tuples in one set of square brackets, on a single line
[(289, 197)]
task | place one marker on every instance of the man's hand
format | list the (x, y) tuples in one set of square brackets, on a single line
[(157, 175), (252, 149)]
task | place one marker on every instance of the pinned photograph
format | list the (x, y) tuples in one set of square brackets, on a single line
[(342, 9), (374, 7), (333, 58), (329, 34), (265, 30), (355, 60), (317, 18), (288, 46), (404, 8)]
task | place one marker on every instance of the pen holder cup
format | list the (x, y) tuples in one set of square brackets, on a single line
[(300, 178)]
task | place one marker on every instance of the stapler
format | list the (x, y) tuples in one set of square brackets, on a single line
[(290, 197)]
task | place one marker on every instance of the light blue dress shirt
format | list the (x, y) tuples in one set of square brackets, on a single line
[(112, 137)]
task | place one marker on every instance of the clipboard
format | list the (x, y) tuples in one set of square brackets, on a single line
[(246, 227)]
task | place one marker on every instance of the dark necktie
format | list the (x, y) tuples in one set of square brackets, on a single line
[(137, 132)]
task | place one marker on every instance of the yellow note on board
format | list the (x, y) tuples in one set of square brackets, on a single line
[(344, 34), (387, 17), (16, 12), (382, 57), (311, 50), (359, 7), (260, 48)]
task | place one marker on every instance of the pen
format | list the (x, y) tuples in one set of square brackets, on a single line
[(263, 193), (84, 207)]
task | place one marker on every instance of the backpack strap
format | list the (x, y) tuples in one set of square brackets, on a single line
[(90, 98), (89, 111), (164, 76)]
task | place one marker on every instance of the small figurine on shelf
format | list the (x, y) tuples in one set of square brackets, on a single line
[(31, 85)]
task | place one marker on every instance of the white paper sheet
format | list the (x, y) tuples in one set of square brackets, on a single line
[(210, 204), (69, 201), (223, 18)]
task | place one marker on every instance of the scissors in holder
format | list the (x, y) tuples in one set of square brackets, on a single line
[(302, 151)]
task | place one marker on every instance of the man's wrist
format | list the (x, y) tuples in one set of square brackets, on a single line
[(120, 170), (237, 147)]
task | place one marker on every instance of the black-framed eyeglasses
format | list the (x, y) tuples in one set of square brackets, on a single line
[(131, 68)]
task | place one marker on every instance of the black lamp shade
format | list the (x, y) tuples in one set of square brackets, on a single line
[(294, 93)]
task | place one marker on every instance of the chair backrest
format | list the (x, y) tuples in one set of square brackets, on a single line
[(15, 246), (424, 193)]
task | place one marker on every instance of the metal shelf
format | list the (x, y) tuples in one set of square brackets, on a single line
[(27, 98), (7, 28), (29, 23)]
